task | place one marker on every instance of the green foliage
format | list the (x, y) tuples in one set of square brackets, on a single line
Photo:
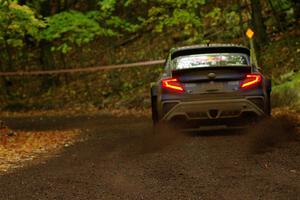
[(282, 4), (287, 93), (17, 22), (72, 28), (223, 24), (182, 15), (107, 6), (122, 25), (64, 30)]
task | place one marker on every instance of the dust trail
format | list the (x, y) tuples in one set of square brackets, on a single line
[(146, 140), (159, 138), (273, 132)]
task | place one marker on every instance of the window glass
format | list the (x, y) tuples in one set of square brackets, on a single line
[(207, 60)]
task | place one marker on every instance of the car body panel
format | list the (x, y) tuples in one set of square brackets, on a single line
[(211, 94)]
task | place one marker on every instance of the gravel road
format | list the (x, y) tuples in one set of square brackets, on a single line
[(121, 159)]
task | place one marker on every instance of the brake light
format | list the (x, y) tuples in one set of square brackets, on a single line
[(172, 84), (251, 80)]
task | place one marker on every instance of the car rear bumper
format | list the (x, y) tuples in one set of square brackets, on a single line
[(214, 114)]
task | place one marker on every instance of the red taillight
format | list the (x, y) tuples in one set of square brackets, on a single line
[(172, 84), (251, 80)]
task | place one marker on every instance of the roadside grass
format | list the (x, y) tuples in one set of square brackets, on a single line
[(281, 60), (287, 94)]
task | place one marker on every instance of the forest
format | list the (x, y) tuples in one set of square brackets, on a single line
[(64, 34), (88, 134)]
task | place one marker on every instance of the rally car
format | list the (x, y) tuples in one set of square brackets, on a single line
[(210, 87)]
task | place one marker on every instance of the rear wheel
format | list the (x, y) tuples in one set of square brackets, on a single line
[(154, 110), (268, 106), (268, 102)]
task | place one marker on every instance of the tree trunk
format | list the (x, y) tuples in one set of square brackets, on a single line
[(22, 2), (9, 63), (92, 4), (258, 24), (239, 11), (296, 5), (46, 55)]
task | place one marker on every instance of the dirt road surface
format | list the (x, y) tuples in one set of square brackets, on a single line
[(121, 159)]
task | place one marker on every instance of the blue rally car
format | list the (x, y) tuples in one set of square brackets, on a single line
[(210, 87)]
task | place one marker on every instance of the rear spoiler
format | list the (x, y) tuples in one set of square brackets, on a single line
[(210, 49), (245, 69), (202, 73)]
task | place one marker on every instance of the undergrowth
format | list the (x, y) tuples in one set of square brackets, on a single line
[(129, 88)]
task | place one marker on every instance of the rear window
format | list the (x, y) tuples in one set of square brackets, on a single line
[(212, 59)]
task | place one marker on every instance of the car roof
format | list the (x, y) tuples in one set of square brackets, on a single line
[(208, 48)]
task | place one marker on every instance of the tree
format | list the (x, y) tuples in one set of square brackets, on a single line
[(70, 28), (17, 23), (258, 23), (296, 4), (181, 16)]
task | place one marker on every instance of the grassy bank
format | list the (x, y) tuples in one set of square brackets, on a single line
[(287, 94)]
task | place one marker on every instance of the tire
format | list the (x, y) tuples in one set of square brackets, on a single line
[(268, 109), (268, 106), (154, 110)]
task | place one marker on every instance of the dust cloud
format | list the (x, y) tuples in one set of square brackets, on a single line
[(273, 132), (160, 137), (270, 133)]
